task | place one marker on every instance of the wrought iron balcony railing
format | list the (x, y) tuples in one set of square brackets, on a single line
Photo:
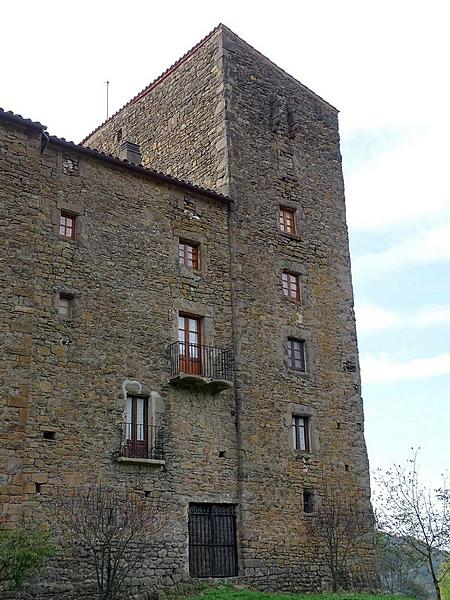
[(208, 362), (142, 441)]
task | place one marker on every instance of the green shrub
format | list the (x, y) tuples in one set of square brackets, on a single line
[(22, 552)]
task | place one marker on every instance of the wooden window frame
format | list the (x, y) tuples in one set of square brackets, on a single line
[(188, 249), (63, 227), (294, 346), (137, 448), (298, 423), (291, 291), (288, 220), (190, 360)]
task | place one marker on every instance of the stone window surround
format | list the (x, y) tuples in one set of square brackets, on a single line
[(301, 410), (303, 334), (75, 296), (299, 222), (197, 239), (73, 209), (205, 313), (65, 154), (300, 269), (155, 412)]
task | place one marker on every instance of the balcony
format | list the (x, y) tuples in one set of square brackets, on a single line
[(198, 366), (142, 444)]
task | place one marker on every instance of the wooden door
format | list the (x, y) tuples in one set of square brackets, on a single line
[(137, 427), (212, 540), (189, 338)]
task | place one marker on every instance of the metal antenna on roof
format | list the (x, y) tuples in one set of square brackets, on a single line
[(107, 99)]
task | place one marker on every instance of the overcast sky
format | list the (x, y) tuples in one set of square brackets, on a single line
[(385, 65)]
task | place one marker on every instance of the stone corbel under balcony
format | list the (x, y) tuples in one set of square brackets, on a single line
[(201, 367)]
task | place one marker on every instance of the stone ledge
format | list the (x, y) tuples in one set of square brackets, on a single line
[(141, 461), (190, 380)]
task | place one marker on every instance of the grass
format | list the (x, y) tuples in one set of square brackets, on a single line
[(229, 593)]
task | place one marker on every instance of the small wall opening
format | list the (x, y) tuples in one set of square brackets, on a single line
[(49, 435), (38, 488)]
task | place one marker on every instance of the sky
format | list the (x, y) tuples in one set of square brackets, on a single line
[(385, 65)]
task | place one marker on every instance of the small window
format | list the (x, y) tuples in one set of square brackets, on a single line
[(287, 220), (296, 354), (300, 433), (188, 254), (65, 305), (67, 225), (308, 501), (291, 286)]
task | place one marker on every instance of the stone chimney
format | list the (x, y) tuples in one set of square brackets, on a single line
[(130, 152)]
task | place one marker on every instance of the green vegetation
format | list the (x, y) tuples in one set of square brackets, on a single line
[(22, 552), (445, 579), (228, 593)]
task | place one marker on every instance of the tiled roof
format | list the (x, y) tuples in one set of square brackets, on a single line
[(8, 115), (158, 80), (114, 160)]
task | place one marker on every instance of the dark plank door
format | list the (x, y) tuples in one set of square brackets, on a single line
[(212, 540)]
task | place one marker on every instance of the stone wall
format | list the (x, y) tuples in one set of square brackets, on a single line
[(282, 144), (283, 147), (179, 123), (69, 376), (227, 118)]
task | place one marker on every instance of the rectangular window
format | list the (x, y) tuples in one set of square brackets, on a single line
[(137, 427), (291, 286), (212, 540), (308, 501), (287, 220), (188, 254), (296, 354), (189, 343), (67, 225), (65, 305), (300, 433)]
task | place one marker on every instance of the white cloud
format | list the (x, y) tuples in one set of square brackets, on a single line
[(426, 247), (374, 318), (398, 186), (384, 369), (370, 317)]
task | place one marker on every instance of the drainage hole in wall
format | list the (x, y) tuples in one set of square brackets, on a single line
[(49, 435), (222, 453)]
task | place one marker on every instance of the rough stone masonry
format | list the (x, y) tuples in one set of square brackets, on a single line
[(227, 385)]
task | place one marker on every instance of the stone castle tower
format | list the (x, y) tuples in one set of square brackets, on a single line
[(216, 314)]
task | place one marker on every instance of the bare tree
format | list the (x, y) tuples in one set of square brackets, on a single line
[(115, 526), (416, 514), (340, 526)]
